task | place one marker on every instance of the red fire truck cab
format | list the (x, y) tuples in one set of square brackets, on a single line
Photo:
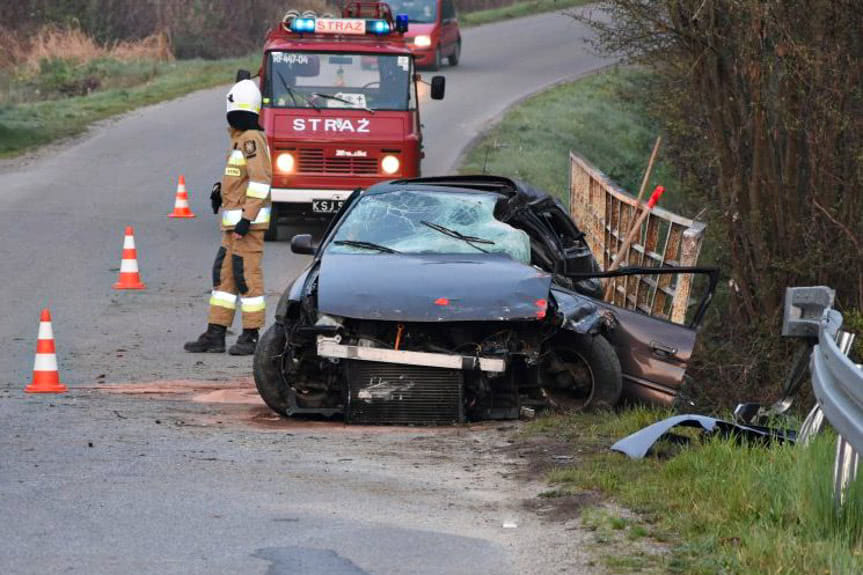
[(340, 108)]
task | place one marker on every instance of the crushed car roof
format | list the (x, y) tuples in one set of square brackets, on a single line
[(495, 184)]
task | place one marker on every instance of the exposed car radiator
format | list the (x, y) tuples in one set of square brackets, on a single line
[(403, 394)]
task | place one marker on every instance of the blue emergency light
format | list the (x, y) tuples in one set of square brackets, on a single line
[(379, 27), (402, 23), (301, 25)]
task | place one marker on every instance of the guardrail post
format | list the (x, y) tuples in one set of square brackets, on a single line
[(844, 469)]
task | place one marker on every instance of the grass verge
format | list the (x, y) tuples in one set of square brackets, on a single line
[(719, 506), (516, 10), (598, 115), (24, 126)]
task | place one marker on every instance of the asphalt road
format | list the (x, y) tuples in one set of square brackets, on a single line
[(154, 498)]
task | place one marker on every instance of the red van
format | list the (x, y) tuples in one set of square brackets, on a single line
[(433, 34)]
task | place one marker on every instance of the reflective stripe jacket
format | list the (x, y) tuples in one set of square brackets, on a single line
[(246, 183)]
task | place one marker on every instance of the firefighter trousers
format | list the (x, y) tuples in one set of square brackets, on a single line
[(238, 280)]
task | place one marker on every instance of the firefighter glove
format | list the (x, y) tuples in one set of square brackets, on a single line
[(216, 197), (242, 227)]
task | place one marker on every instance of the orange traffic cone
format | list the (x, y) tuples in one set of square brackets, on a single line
[(129, 276), (46, 378), (181, 203)]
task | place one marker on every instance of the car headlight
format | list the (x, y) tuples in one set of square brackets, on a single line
[(285, 162), (390, 164), (422, 41)]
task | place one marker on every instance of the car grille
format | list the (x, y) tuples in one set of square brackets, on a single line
[(403, 394), (314, 161)]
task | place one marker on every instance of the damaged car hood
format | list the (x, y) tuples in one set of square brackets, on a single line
[(428, 288)]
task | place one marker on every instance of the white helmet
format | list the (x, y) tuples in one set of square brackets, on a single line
[(244, 96)]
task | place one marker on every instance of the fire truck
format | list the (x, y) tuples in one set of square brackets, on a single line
[(340, 108)]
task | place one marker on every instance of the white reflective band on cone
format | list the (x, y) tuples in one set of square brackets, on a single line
[(233, 217), (253, 304), (45, 362), (223, 299), (237, 158), (45, 331), (128, 266), (258, 190), (181, 203), (129, 243)]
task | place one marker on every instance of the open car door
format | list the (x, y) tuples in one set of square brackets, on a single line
[(654, 352)]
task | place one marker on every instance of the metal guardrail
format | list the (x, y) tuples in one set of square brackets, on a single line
[(838, 386), (837, 382)]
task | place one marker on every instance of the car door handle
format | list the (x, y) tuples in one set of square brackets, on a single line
[(663, 351)]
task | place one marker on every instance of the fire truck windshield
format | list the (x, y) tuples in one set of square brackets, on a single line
[(324, 80), (419, 11)]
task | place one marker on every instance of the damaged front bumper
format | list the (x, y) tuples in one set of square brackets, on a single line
[(331, 347)]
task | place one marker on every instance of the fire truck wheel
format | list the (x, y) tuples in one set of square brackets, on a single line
[(437, 60), (456, 55), (272, 233)]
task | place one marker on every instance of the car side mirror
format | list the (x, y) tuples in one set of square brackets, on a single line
[(438, 87), (243, 75), (302, 244)]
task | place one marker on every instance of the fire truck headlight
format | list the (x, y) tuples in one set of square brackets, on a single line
[(390, 165), (285, 163), (422, 41)]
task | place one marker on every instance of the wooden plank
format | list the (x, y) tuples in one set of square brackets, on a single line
[(689, 251), (604, 212)]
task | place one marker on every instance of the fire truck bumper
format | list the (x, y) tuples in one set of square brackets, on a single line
[(306, 196), (307, 204)]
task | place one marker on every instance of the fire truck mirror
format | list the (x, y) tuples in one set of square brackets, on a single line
[(438, 87), (243, 75)]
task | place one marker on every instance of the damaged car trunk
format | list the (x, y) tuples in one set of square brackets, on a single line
[(441, 300)]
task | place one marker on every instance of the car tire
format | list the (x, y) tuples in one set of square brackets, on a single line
[(267, 368), (456, 55), (271, 234), (573, 358), (437, 60)]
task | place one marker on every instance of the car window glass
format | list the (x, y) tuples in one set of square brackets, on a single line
[(419, 11), (376, 81), (394, 220)]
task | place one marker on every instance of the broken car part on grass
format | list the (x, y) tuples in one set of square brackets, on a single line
[(440, 300), (638, 444), (807, 312)]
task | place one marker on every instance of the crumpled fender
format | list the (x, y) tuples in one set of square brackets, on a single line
[(292, 294), (580, 314), (639, 443)]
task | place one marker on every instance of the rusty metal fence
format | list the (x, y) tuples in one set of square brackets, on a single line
[(605, 213)]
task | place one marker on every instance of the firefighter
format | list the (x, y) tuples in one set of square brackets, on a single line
[(244, 198)]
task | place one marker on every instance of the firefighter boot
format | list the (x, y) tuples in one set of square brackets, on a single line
[(212, 340), (245, 343)]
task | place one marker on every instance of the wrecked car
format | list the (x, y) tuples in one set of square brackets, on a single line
[(440, 300)]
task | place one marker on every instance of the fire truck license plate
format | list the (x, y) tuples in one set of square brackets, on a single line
[(326, 206)]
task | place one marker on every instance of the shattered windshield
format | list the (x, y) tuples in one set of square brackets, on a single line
[(338, 80), (417, 222)]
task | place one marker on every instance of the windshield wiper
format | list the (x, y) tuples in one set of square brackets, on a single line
[(366, 245), (471, 240), (345, 100), (291, 92)]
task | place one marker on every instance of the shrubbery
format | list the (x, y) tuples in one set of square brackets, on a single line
[(762, 104)]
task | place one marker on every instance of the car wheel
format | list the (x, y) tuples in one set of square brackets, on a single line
[(272, 233), (581, 372), (456, 55), (267, 368), (437, 60)]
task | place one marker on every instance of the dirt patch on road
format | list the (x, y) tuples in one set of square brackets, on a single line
[(237, 403)]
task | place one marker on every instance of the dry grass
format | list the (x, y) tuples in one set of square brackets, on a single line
[(26, 52)]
